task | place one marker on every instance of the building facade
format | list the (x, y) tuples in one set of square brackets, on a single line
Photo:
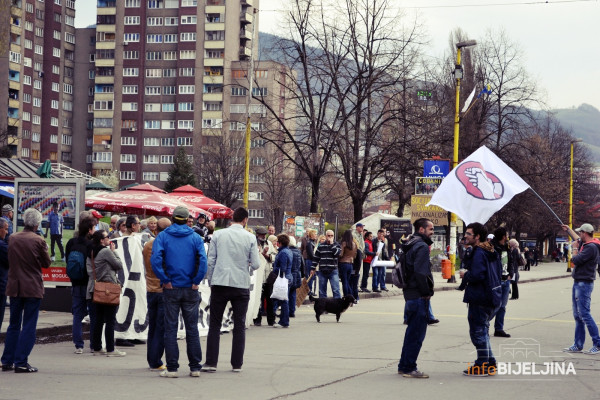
[(37, 49)]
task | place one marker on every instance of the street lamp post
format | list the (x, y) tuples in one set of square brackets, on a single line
[(571, 201), (458, 75)]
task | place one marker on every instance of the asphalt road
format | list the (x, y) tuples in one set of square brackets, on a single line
[(354, 359)]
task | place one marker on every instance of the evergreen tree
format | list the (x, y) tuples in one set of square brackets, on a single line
[(182, 172)]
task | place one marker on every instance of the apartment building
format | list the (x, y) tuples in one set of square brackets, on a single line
[(37, 63)]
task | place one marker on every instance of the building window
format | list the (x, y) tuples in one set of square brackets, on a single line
[(239, 91), (171, 21), (152, 107), (184, 141), (170, 55), (214, 53), (189, 71), (128, 141), (188, 19), (169, 89), (212, 123), (130, 89), (53, 122), (168, 124), (37, 120), (187, 54), (104, 156), (67, 140), (256, 213), (152, 124), (132, 20), (151, 159), (186, 106), (131, 71), (185, 124), (36, 137), (167, 142), (129, 106), (25, 152), (132, 3), (68, 88), (128, 158), (187, 89), (127, 175), (212, 106), (152, 90), (188, 36), (166, 159), (214, 35), (131, 37), (150, 176), (154, 38), (170, 38), (153, 73), (168, 107), (53, 138), (37, 102), (65, 156), (131, 55), (151, 142), (189, 3), (170, 72)]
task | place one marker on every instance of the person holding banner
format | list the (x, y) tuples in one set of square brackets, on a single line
[(179, 261), (380, 248), (232, 258)]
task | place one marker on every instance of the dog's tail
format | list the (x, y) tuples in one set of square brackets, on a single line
[(311, 298)]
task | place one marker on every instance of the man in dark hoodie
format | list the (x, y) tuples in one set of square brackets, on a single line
[(417, 294), (500, 243), (483, 294)]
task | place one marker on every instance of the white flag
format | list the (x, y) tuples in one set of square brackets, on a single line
[(478, 187), (469, 100)]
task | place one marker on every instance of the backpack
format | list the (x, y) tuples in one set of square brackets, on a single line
[(76, 268), (521, 261), (400, 270)]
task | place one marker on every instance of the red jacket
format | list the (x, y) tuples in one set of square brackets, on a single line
[(368, 248)]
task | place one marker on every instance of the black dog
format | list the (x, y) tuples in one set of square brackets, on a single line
[(331, 305)]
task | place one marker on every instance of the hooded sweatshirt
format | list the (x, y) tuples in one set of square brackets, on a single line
[(484, 260), (178, 257)]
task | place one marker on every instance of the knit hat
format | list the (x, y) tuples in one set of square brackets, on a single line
[(181, 213)]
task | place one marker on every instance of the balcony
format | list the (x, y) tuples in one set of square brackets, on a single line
[(247, 3), (245, 52), (214, 62), (212, 79), (214, 26), (212, 97), (212, 114), (216, 7), (12, 103), (104, 79), (246, 17), (246, 34), (109, 62), (214, 44)]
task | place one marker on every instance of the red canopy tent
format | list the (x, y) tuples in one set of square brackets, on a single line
[(147, 200), (194, 196)]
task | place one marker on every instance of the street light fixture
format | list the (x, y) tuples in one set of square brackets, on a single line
[(571, 200), (458, 75)]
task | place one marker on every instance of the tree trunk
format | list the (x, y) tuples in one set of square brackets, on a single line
[(357, 204), (315, 182)]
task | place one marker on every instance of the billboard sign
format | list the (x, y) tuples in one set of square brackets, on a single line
[(436, 168)]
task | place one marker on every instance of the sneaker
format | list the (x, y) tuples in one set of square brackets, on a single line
[(415, 374), (25, 369), (159, 369), (99, 353), (476, 370), (593, 351), (168, 374), (195, 374), (207, 368), (236, 369), (433, 321), (278, 326), (501, 334), (79, 350), (116, 353), (572, 349), (7, 367), (63, 259), (52, 259)]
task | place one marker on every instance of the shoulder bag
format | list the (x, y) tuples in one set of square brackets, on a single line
[(106, 293)]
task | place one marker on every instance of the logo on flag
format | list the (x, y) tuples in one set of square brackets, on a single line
[(479, 183), (478, 187)]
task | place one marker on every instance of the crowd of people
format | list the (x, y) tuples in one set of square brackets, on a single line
[(179, 253)]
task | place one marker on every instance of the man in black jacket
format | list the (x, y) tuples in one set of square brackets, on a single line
[(500, 243), (417, 294)]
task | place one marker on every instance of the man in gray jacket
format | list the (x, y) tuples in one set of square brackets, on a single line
[(232, 257)]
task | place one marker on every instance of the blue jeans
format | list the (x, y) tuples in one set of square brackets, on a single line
[(58, 240), (156, 329), (430, 316), (20, 335), (292, 302), (365, 275), (354, 285), (187, 300), (91, 307), (378, 277), (333, 279), (345, 270), (582, 297), (479, 324), (284, 314), (307, 269), (219, 297), (3, 281), (79, 311), (416, 312), (501, 311)]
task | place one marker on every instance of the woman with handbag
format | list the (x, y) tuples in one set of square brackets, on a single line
[(102, 267), (283, 268)]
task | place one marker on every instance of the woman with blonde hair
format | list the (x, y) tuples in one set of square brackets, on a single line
[(514, 259)]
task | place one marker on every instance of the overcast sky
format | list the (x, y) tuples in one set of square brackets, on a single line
[(560, 39)]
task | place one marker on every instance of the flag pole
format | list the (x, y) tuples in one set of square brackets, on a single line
[(546, 204)]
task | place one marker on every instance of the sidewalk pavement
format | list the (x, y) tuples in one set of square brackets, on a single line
[(51, 320)]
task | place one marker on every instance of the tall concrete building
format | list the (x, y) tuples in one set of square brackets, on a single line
[(37, 43), (160, 72)]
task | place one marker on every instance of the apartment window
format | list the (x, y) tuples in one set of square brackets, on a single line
[(132, 3), (55, 69), (69, 20), (188, 36), (151, 158), (189, 3), (103, 122), (37, 102), (257, 161), (132, 20), (27, 99), (187, 89), (185, 124), (69, 38), (252, 213), (171, 3), (188, 71), (261, 73), (68, 88), (36, 137), (212, 123), (167, 142), (37, 120), (153, 73), (39, 49), (53, 122), (237, 109), (152, 90), (130, 89), (150, 176), (29, 7), (212, 106), (56, 34), (214, 35), (91, 74), (102, 156), (131, 71), (171, 21), (26, 116), (151, 142), (188, 106), (170, 38), (67, 105), (184, 141), (168, 124), (29, 26), (154, 38), (169, 72), (259, 91), (37, 67), (131, 55), (168, 107), (28, 43), (26, 80), (67, 140), (155, 3), (68, 72), (152, 124), (239, 91), (131, 37), (129, 106), (170, 55), (257, 143), (166, 159), (57, 18), (66, 156), (239, 73), (257, 179), (189, 19), (24, 152), (169, 89), (154, 21), (39, 32), (128, 158), (187, 54), (128, 141), (55, 87), (54, 104), (39, 14), (214, 53), (38, 85), (127, 175), (53, 138), (152, 107)]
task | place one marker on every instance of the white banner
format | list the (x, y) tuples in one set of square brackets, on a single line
[(132, 316), (478, 187)]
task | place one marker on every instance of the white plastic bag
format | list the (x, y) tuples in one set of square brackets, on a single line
[(280, 288)]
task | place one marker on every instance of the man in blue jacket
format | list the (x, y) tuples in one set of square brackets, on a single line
[(179, 261), (584, 274), (483, 294), (417, 295)]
